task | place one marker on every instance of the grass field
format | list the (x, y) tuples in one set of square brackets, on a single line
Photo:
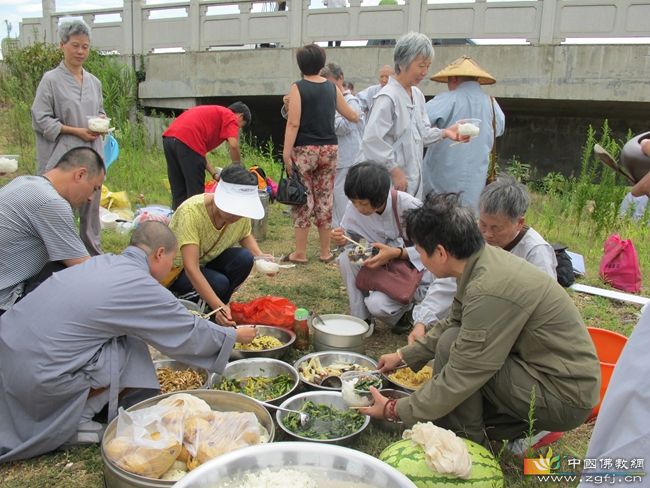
[(318, 286)]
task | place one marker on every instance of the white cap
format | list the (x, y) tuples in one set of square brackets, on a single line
[(242, 200)]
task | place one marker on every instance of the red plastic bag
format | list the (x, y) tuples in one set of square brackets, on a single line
[(267, 310), (620, 264)]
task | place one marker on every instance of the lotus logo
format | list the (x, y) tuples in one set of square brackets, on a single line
[(542, 465)]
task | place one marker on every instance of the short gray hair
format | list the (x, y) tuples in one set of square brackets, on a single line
[(332, 70), (505, 196), (409, 47), (152, 235), (73, 27)]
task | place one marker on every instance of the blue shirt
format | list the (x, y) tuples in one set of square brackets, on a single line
[(461, 167)]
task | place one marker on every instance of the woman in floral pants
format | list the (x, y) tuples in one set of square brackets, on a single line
[(310, 144)]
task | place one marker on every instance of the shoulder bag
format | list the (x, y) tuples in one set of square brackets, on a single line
[(397, 278), (291, 190)]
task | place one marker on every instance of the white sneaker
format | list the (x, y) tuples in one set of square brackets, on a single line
[(89, 432), (518, 447)]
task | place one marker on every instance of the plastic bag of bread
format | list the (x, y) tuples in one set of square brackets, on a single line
[(147, 441), (207, 436)]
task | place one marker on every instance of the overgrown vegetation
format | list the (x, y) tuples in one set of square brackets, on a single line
[(579, 210)]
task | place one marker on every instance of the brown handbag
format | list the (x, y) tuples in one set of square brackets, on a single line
[(398, 278)]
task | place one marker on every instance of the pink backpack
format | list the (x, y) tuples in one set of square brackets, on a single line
[(620, 264)]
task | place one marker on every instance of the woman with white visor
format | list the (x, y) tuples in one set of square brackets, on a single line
[(209, 229)]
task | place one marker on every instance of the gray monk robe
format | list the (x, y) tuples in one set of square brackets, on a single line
[(86, 327)]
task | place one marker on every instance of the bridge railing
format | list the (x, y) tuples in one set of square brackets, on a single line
[(200, 25)]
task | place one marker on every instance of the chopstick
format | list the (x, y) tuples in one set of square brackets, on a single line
[(352, 241), (218, 309)]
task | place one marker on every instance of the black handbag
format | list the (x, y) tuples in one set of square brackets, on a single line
[(291, 190)]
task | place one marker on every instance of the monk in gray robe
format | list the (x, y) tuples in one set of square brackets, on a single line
[(71, 345)]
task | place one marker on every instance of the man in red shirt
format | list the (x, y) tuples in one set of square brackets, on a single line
[(191, 136)]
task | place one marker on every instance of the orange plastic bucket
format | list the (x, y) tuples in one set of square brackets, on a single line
[(609, 346)]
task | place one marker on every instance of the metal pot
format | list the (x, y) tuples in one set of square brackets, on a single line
[(330, 462), (178, 366), (632, 158), (285, 336), (265, 367), (331, 398), (223, 401), (340, 332), (260, 225)]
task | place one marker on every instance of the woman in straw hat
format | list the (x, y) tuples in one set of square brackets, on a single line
[(398, 127), (464, 169)]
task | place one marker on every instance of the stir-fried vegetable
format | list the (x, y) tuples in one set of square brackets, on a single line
[(326, 422), (259, 387)]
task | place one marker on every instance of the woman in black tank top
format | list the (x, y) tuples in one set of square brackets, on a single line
[(311, 145)]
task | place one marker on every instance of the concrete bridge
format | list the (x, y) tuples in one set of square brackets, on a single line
[(550, 86)]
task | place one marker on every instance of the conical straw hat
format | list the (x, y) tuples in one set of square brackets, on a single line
[(464, 66)]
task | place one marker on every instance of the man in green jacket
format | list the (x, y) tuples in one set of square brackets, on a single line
[(513, 339)]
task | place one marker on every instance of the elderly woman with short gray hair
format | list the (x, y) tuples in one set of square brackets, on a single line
[(502, 207), (65, 98), (398, 127)]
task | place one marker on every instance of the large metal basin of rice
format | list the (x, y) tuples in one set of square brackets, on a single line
[(222, 401), (286, 337), (264, 367), (329, 465)]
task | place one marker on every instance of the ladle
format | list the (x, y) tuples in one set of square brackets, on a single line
[(304, 417), (320, 319)]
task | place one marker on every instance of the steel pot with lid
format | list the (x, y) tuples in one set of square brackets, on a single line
[(340, 332)]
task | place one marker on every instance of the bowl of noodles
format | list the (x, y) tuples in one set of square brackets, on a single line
[(269, 342), (408, 380)]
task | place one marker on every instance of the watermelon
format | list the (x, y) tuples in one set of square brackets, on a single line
[(408, 458)]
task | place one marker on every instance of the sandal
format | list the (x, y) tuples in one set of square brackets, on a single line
[(327, 260), (286, 258)]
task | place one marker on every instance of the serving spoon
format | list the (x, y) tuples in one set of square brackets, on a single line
[(305, 418)]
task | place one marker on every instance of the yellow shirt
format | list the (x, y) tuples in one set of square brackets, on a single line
[(192, 225)]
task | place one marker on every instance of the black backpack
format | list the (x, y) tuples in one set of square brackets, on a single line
[(565, 275)]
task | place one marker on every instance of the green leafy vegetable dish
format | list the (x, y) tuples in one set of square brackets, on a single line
[(326, 422), (366, 382), (259, 387)]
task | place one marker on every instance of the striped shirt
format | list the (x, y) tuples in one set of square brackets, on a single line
[(36, 227)]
